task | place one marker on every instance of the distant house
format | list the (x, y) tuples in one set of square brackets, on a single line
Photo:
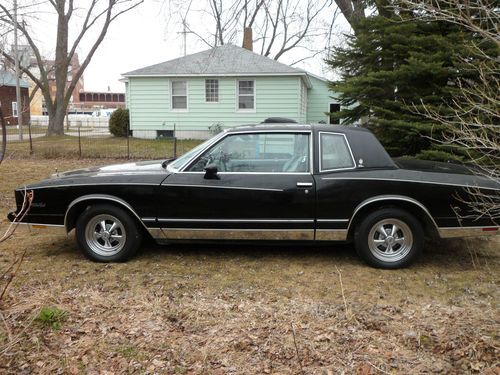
[(8, 100), (224, 86), (91, 101)]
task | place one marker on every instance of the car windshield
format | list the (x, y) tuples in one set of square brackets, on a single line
[(179, 162)]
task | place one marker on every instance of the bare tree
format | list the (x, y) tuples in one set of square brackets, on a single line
[(97, 16), (279, 25), (352, 10), (474, 119), (3, 139)]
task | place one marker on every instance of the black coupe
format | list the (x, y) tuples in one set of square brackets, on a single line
[(271, 182)]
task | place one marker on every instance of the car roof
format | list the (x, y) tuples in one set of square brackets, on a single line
[(296, 127)]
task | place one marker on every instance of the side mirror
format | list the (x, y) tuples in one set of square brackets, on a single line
[(211, 172)]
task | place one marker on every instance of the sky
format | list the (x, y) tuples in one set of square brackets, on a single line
[(143, 37)]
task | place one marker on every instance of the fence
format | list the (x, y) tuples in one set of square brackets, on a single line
[(90, 138)]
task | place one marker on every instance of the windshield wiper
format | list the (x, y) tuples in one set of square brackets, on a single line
[(167, 162)]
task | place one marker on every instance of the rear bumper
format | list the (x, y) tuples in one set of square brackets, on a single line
[(452, 232)]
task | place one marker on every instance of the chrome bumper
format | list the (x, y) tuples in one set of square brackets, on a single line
[(45, 229)]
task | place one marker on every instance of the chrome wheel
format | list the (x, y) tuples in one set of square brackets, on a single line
[(390, 240), (105, 235)]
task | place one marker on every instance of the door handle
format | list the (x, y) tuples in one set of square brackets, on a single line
[(304, 184)]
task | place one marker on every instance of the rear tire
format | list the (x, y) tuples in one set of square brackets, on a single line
[(106, 233), (389, 238)]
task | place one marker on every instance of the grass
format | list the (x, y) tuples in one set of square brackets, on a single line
[(98, 147), (202, 309), (52, 317)]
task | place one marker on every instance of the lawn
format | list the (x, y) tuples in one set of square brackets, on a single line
[(93, 145), (234, 309)]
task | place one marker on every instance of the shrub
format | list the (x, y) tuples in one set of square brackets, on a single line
[(215, 128), (51, 317), (119, 122)]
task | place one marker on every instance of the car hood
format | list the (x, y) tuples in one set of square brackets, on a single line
[(142, 167)]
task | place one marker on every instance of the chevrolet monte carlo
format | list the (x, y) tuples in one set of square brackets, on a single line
[(267, 182)]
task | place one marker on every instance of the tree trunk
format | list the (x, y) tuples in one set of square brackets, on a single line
[(56, 121)]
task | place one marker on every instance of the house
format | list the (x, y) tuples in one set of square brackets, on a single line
[(29, 61), (221, 87), (8, 100), (90, 101)]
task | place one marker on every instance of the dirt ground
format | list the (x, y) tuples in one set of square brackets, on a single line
[(242, 309)]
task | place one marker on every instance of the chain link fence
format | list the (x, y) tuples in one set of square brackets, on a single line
[(90, 138)]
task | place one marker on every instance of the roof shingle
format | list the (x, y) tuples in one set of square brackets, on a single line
[(227, 59)]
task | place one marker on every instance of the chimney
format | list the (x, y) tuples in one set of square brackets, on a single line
[(248, 39)]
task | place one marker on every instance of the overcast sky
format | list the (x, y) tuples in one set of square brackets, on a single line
[(143, 37)]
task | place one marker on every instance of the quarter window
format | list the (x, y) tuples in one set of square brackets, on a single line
[(246, 95), (179, 95), (211, 90), (334, 152), (258, 152)]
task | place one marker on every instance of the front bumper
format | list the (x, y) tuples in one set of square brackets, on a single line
[(46, 229)]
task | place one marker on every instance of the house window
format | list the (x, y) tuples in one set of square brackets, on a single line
[(14, 109), (212, 90), (246, 95), (334, 107), (179, 95)]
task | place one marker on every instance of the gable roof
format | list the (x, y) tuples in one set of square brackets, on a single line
[(9, 79), (224, 60)]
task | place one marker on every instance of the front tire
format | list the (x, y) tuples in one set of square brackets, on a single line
[(389, 238), (107, 233)]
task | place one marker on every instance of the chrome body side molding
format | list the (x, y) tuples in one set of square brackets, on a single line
[(104, 197), (220, 187), (331, 235), (380, 198), (156, 233), (451, 232), (279, 221), (238, 234)]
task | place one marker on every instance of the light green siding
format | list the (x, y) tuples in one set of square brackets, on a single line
[(127, 95), (149, 102), (318, 100)]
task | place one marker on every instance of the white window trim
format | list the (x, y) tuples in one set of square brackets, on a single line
[(217, 139), (328, 116), (321, 170), (301, 100), (237, 96), (218, 90), (15, 109), (172, 92)]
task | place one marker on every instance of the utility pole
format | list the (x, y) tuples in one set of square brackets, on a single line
[(184, 33), (18, 89)]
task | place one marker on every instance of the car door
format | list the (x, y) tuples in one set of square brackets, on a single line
[(258, 186)]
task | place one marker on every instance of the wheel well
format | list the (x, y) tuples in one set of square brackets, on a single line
[(78, 208), (419, 213)]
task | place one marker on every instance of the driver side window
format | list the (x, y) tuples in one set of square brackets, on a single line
[(257, 152)]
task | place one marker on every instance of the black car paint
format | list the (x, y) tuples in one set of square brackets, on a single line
[(162, 199)]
